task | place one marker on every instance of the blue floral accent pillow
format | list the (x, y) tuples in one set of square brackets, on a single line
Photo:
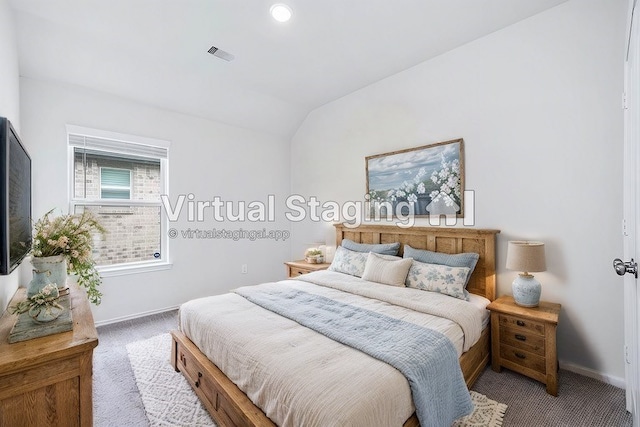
[(349, 262), (438, 278), (468, 259), (381, 248)]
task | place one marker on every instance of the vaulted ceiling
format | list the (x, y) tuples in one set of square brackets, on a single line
[(155, 51)]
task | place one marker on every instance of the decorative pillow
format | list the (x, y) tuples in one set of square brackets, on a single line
[(438, 278), (382, 248), (348, 262), (469, 259), (381, 269)]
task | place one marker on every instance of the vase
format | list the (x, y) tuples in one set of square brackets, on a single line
[(39, 281), (43, 314), (57, 267), (421, 204)]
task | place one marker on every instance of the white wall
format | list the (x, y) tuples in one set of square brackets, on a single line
[(206, 158), (539, 107), (10, 108)]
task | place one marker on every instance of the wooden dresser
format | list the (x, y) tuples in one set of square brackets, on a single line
[(296, 268), (47, 381), (523, 339)]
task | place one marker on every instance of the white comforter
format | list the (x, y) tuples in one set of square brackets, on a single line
[(301, 378)]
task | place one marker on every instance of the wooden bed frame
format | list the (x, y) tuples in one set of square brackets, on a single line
[(229, 406)]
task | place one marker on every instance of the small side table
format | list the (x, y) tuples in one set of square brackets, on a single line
[(523, 339), (296, 268)]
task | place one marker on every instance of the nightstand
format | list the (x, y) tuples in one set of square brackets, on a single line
[(523, 339), (296, 268)]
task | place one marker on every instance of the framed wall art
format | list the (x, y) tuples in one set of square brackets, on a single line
[(426, 180)]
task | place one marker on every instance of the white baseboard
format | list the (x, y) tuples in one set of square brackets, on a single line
[(136, 316), (605, 378)]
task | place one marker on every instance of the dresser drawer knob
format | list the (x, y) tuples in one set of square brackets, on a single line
[(198, 380), (520, 356), (519, 323), (521, 337)]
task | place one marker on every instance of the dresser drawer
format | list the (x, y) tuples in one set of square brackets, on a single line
[(522, 324), (522, 338), (523, 358)]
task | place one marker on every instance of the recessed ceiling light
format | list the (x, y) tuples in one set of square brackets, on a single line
[(281, 12)]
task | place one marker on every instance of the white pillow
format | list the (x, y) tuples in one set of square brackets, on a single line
[(438, 278), (348, 262), (381, 269)]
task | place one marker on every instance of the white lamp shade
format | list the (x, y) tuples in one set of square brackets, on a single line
[(526, 256)]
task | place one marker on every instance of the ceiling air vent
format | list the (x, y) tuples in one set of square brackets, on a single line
[(221, 54)]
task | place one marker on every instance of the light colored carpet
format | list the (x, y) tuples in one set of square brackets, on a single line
[(169, 401)]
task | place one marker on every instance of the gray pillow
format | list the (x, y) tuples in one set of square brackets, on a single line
[(382, 248), (469, 259)]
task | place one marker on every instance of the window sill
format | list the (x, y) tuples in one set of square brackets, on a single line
[(124, 269)]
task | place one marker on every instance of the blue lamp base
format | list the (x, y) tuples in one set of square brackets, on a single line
[(526, 290)]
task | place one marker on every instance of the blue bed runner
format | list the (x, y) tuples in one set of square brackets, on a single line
[(425, 357)]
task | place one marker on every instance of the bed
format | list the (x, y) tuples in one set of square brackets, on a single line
[(230, 406)]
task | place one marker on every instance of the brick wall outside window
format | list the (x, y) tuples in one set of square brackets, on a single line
[(133, 231)]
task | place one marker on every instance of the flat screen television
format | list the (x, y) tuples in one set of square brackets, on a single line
[(15, 199)]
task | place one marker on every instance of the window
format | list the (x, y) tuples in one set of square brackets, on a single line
[(120, 178), (115, 183)]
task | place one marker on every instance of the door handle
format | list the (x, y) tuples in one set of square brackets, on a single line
[(622, 267)]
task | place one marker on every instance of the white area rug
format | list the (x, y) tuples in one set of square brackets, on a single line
[(169, 401), (167, 396)]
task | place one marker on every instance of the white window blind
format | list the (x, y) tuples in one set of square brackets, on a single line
[(128, 148)]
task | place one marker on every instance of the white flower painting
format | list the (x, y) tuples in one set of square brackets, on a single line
[(429, 179)]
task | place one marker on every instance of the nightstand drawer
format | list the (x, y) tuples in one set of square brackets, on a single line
[(523, 339), (295, 272), (523, 358), (522, 324), (298, 268)]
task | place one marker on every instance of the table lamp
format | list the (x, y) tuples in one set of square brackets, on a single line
[(526, 257)]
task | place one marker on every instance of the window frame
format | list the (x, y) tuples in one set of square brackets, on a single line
[(164, 262)]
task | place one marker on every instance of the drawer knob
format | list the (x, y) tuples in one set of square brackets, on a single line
[(520, 356), (198, 380), (521, 337), (519, 323)]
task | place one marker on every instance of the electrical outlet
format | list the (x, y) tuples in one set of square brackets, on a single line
[(244, 269)]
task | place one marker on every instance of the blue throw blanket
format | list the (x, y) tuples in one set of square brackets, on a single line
[(425, 357)]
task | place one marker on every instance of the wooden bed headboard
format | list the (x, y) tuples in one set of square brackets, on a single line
[(437, 239)]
